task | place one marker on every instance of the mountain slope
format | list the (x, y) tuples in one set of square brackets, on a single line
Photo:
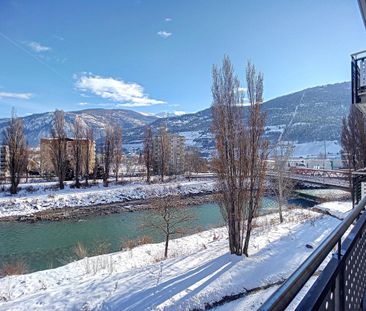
[(313, 114), (310, 115), (40, 125)]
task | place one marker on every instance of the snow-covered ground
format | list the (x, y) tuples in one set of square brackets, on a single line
[(200, 271), (41, 199), (337, 209), (316, 148), (325, 194)]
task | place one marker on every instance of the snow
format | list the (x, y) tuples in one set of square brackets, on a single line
[(200, 271), (325, 194), (337, 209), (43, 199), (316, 148)]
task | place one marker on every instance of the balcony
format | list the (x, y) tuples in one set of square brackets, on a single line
[(359, 80)]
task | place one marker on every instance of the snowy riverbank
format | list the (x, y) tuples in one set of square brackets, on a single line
[(42, 199), (200, 271)]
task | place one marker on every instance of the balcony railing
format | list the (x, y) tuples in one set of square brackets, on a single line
[(358, 71)]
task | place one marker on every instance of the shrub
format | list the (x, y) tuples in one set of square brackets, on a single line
[(15, 268), (145, 239), (129, 244), (102, 247), (80, 250)]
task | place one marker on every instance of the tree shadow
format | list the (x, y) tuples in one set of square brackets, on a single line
[(154, 296)]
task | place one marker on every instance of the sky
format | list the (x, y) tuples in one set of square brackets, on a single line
[(156, 56)]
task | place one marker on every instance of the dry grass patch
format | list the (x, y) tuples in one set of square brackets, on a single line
[(14, 268)]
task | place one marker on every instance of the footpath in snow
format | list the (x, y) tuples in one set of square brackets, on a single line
[(200, 271), (29, 203)]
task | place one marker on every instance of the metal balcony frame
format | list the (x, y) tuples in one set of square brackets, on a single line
[(333, 274)]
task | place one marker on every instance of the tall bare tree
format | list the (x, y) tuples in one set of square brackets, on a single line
[(17, 158), (89, 135), (240, 162), (230, 163), (169, 216), (77, 146), (148, 152), (281, 185), (353, 140), (58, 146), (107, 154), (258, 150), (163, 149), (117, 149)]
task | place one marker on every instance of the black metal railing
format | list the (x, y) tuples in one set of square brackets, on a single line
[(341, 285)]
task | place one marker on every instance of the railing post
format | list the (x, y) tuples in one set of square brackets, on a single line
[(339, 291)]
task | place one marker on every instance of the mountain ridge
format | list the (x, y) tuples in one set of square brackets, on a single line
[(312, 114)]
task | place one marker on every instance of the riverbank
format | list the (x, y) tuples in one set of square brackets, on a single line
[(199, 271), (66, 202), (82, 212)]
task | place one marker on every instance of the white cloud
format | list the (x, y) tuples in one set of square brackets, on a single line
[(168, 19), (38, 47), (83, 104), (125, 93), (15, 95), (164, 34)]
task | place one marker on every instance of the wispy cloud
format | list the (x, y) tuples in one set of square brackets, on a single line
[(59, 37), (168, 19), (83, 104), (126, 94), (164, 34), (15, 95), (37, 47)]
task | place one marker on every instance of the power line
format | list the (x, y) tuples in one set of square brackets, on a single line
[(33, 56)]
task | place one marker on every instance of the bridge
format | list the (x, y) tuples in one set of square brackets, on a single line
[(329, 178)]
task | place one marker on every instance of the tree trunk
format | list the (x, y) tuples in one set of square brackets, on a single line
[(247, 236), (166, 246), (280, 206)]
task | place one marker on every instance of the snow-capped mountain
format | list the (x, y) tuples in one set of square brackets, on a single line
[(40, 125), (311, 115)]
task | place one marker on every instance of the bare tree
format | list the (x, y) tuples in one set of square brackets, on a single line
[(163, 150), (58, 147), (258, 150), (194, 162), (78, 132), (281, 185), (89, 135), (117, 149), (17, 158), (353, 140), (148, 152), (240, 162), (230, 163), (169, 216), (107, 154)]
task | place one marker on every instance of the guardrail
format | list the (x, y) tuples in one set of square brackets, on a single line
[(342, 284)]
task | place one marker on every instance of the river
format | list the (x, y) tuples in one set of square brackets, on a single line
[(44, 245)]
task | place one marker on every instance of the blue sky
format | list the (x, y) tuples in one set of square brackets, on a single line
[(156, 56)]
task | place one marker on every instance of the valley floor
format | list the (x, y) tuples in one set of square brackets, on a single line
[(199, 271)]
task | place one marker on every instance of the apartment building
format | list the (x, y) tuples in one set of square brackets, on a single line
[(175, 154), (45, 154)]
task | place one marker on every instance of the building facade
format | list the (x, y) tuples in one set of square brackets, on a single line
[(175, 150), (46, 155)]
